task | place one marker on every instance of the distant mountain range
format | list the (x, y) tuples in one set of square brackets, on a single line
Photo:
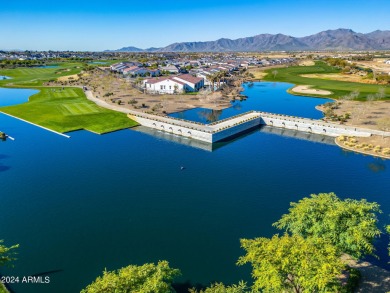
[(340, 39)]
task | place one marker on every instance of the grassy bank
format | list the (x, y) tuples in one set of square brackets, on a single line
[(338, 88), (59, 109)]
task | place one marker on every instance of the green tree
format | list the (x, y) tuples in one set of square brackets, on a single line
[(350, 225), (212, 78), (221, 288), (292, 264), (148, 278), (7, 254)]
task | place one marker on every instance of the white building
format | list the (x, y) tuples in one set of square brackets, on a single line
[(193, 83), (164, 85), (175, 84)]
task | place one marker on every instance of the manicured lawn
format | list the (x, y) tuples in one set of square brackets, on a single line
[(62, 110), (68, 110), (338, 88), (35, 76)]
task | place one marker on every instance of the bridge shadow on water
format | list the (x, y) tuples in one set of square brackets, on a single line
[(210, 147)]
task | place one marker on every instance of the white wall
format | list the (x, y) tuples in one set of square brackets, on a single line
[(174, 127), (236, 125), (311, 126), (235, 130), (156, 87)]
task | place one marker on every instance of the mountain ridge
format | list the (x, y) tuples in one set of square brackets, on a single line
[(339, 39)]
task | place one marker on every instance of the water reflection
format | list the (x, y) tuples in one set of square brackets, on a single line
[(3, 167), (261, 96), (377, 167), (210, 115)]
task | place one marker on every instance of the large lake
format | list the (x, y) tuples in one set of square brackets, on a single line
[(262, 96), (79, 205)]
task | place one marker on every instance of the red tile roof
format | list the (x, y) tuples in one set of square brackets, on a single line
[(189, 78)]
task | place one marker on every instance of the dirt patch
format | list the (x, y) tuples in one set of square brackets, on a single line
[(375, 145), (363, 114), (68, 77), (306, 89), (125, 93), (258, 73), (307, 63), (377, 64)]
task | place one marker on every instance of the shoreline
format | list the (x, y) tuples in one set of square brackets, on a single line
[(373, 154), (90, 96), (40, 126)]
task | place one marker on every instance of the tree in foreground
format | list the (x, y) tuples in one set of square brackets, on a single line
[(7, 254), (221, 288), (388, 232), (350, 225), (292, 263), (148, 278)]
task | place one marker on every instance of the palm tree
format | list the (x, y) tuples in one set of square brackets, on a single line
[(212, 78)]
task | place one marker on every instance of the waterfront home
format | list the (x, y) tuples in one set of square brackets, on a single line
[(173, 84), (163, 85), (193, 83)]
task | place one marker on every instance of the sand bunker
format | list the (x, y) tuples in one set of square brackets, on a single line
[(306, 89)]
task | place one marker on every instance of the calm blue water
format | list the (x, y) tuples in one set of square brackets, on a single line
[(10, 97), (97, 62), (79, 205), (262, 96), (2, 77)]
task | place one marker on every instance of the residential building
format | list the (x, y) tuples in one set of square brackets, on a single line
[(173, 84)]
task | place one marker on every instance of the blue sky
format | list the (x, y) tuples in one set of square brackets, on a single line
[(99, 25)]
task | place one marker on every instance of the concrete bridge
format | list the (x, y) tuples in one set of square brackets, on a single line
[(235, 125)]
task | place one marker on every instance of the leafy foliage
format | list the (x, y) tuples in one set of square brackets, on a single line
[(221, 288), (388, 231), (148, 278), (349, 224), (7, 253), (292, 263)]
